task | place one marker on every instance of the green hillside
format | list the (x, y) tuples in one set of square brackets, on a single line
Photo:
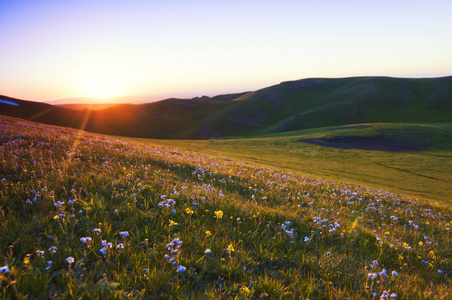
[(288, 106), (413, 159)]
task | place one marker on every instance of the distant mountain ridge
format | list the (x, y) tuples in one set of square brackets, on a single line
[(288, 106)]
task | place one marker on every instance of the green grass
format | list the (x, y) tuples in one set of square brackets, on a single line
[(424, 174), (288, 235), (285, 107)]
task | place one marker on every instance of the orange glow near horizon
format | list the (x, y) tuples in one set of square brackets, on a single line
[(54, 50)]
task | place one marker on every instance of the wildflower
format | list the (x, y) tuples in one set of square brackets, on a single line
[(70, 260), (85, 239), (208, 233), (80, 211), (246, 291), (104, 243), (120, 246), (4, 269), (181, 268), (56, 217), (394, 273), (208, 251), (39, 253), (189, 211), (109, 245), (146, 271), (103, 250), (440, 271), (124, 233), (172, 223), (372, 275), (421, 243), (393, 295), (97, 230), (53, 249), (27, 259), (306, 239), (230, 248), (218, 214)]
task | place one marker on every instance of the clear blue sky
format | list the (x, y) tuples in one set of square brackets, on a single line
[(59, 49)]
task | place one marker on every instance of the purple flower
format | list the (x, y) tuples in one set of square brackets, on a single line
[(181, 268)]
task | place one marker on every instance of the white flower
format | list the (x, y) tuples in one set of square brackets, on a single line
[(4, 269), (70, 260)]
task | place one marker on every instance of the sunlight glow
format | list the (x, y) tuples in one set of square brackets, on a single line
[(99, 83)]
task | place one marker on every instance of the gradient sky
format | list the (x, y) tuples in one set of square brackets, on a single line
[(60, 49)]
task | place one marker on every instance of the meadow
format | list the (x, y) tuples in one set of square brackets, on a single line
[(412, 159), (92, 216)]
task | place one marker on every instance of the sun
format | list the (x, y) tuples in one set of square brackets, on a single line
[(100, 88), (98, 83)]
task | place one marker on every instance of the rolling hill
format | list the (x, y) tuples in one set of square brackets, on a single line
[(288, 106)]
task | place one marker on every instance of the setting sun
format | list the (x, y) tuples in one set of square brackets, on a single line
[(99, 83)]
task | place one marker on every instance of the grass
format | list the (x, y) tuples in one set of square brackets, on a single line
[(424, 173), (288, 106), (92, 216)]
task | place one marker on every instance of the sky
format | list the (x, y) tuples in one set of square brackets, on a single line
[(157, 49)]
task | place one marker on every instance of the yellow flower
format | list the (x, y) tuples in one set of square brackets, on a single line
[(431, 253), (172, 223), (246, 291), (230, 248), (208, 233), (56, 217), (421, 243), (189, 211), (218, 214), (27, 259)]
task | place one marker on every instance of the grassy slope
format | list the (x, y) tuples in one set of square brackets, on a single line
[(288, 236), (425, 174), (289, 106)]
